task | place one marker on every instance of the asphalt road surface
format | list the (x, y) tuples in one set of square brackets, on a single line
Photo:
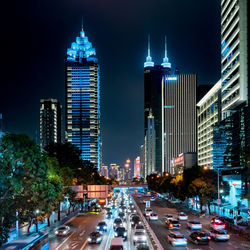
[(159, 227)]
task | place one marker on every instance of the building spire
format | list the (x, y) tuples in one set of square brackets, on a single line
[(149, 62), (166, 63), (82, 23)]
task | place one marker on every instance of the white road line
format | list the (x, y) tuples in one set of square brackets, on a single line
[(64, 241), (82, 233)]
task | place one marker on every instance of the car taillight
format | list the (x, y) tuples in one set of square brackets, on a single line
[(228, 236), (209, 237), (171, 225), (224, 226), (198, 237)]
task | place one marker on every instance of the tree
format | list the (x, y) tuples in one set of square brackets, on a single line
[(25, 187)]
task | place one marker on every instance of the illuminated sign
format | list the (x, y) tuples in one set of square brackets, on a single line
[(137, 167), (179, 160), (171, 78)]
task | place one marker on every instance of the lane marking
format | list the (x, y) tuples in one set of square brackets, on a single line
[(64, 241), (84, 244), (82, 233)]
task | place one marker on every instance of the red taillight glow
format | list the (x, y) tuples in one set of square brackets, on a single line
[(209, 237), (198, 237)]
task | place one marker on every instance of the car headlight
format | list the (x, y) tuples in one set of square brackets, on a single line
[(64, 232), (99, 239), (56, 232), (97, 227), (116, 234), (144, 237), (125, 234), (105, 227), (135, 238), (89, 239)]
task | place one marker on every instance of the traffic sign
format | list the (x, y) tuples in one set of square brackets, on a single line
[(148, 204)]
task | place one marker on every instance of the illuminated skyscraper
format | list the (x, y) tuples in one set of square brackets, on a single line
[(153, 75), (50, 122), (83, 99)]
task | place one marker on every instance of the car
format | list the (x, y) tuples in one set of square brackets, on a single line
[(201, 238), (173, 224), (177, 239), (139, 237), (168, 216), (140, 228), (219, 235), (121, 232), (62, 230), (121, 215), (153, 216), (139, 196), (135, 220), (148, 211), (118, 223), (142, 246), (182, 216), (102, 226), (116, 244), (109, 215), (95, 238), (152, 199), (96, 210), (217, 224), (195, 224)]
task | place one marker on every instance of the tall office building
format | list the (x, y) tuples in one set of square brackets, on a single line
[(83, 99), (150, 146), (179, 116), (209, 114), (153, 75), (50, 122)]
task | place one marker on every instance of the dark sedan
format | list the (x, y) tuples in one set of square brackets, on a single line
[(199, 238), (95, 238)]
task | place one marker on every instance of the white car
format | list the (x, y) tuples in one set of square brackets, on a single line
[(182, 216), (220, 235), (62, 230), (153, 216), (168, 217), (177, 239), (148, 211), (139, 237), (195, 224), (140, 228)]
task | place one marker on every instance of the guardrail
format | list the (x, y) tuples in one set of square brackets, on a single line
[(153, 239)]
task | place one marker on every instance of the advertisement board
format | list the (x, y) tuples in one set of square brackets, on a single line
[(98, 191)]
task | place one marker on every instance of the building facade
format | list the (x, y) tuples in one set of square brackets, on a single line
[(179, 127), (150, 146), (104, 171), (50, 122), (83, 99), (137, 168), (209, 114)]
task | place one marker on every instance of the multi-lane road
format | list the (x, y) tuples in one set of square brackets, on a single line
[(159, 227), (81, 226)]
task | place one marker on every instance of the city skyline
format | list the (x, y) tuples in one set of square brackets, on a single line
[(41, 71)]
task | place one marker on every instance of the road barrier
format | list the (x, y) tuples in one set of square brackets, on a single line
[(156, 245)]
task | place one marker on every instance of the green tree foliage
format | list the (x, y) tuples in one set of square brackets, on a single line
[(27, 183)]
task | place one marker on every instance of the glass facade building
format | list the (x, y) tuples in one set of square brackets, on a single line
[(83, 99)]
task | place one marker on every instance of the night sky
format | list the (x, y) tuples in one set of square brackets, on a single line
[(36, 34)]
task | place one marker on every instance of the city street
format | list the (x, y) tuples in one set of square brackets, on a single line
[(81, 226), (159, 227)]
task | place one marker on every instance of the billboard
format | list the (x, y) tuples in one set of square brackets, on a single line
[(137, 167), (98, 191), (79, 191)]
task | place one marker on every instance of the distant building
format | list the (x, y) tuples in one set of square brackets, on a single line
[(82, 82), (137, 168), (142, 162), (209, 114), (179, 117), (150, 146), (104, 171), (50, 122), (114, 171)]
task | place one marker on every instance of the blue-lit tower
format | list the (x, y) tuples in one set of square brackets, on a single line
[(149, 62), (166, 64), (83, 99)]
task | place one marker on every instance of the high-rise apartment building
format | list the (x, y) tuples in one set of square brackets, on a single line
[(114, 171), (50, 122), (209, 114), (153, 75), (83, 99), (150, 146), (179, 117), (104, 171), (234, 55)]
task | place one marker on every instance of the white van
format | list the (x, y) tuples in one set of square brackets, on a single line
[(116, 244)]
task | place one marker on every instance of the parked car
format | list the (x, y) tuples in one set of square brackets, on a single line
[(62, 230), (177, 239), (220, 235), (195, 224), (199, 238)]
